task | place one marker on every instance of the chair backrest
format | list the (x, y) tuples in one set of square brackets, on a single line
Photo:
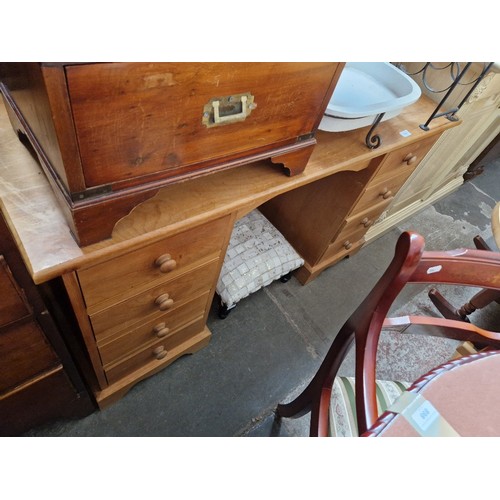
[(410, 264)]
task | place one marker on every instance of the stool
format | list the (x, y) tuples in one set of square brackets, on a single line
[(257, 255)]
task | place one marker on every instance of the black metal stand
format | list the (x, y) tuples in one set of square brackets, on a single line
[(373, 142), (456, 74), (457, 77)]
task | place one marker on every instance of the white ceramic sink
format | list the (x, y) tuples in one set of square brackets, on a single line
[(364, 90)]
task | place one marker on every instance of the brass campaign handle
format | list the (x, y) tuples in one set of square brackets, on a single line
[(230, 118), (228, 109)]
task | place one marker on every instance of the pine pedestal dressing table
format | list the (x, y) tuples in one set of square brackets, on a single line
[(141, 298)]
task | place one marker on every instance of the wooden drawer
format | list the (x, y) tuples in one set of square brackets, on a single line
[(362, 221), (156, 119), (354, 229), (41, 399), (24, 353), (128, 274), (346, 240), (155, 354), (408, 156), (162, 327), (114, 133), (346, 244), (12, 301), (145, 306), (383, 190)]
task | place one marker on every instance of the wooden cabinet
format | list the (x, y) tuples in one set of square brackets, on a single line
[(38, 380), (441, 171), (109, 135), (142, 309)]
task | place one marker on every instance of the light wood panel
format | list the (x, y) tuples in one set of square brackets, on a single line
[(75, 295), (310, 216)]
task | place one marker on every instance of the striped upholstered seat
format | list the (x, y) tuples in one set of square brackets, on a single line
[(342, 418), (342, 413)]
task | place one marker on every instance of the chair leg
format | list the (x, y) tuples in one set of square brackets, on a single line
[(444, 307), (480, 300), (286, 277), (315, 426), (298, 407), (223, 311), (326, 373), (481, 244)]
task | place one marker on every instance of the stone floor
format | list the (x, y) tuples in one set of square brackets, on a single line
[(273, 341)]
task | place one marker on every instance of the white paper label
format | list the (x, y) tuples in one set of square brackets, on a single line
[(425, 415), (434, 269)]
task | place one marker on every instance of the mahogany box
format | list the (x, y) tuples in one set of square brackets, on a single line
[(109, 135)]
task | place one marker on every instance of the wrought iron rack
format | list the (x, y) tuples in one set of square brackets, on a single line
[(457, 72)]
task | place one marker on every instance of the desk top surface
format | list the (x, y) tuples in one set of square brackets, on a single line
[(49, 250)]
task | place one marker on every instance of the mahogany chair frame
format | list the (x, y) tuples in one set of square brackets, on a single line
[(410, 264)]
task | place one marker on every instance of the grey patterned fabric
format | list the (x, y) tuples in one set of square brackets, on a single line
[(257, 255)]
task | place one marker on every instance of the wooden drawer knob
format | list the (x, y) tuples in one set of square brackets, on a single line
[(366, 222), (386, 193), (164, 302), (347, 245), (159, 352), (410, 158), (161, 330), (165, 263)]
